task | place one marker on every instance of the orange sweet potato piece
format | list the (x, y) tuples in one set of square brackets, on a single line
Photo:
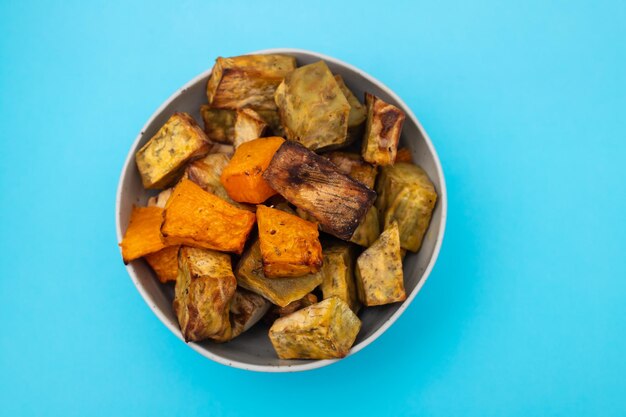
[(198, 218), (404, 155), (143, 235), (290, 246), (164, 263), (243, 176)]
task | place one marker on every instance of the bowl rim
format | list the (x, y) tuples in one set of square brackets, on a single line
[(442, 201)]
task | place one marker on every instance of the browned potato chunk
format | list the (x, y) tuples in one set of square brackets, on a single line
[(368, 230), (161, 160), (352, 164), (204, 289), (277, 311), (219, 124), (248, 126), (324, 330), (338, 274), (358, 112), (246, 309), (382, 132)]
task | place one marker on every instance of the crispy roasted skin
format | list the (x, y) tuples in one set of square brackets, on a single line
[(247, 81), (338, 274), (382, 132), (354, 165), (324, 330), (248, 126), (143, 234), (205, 287), (406, 195), (161, 160), (197, 218), (246, 309), (316, 185), (243, 176), (164, 263), (280, 291), (312, 107), (219, 124), (290, 246), (379, 275)]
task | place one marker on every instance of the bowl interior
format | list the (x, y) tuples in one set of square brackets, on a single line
[(252, 350)]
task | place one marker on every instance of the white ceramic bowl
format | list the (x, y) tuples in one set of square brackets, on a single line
[(253, 350)]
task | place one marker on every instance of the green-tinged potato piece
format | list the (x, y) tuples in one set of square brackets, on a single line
[(204, 289), (358, 111), (246, 309), (406, 195), (379, 275), (280, 291), (338, 274), (368, 230), (219, 124), (324, 330), (248, 126), (382, 132), (312, 107), (162, 159), (247, 81)]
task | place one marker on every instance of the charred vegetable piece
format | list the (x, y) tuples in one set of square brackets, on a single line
[(143, 235), (197, 218), (277, 311), (272, 119), (338, 274), (290, 246), (379, 275), (404, 155), (352, 164), (243, 176), (368, 230), (161, 160), (314, 184), (406, 195), (249, 125), (248, 81), (164, 263), (382, 132), (358, 112), (204, 289), (324, 330), (160, 199), (281, 291), (219, 124), (312, 107), (246, 309)]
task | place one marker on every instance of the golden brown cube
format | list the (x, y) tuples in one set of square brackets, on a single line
[(277, 311), (368, 230), (325, 330), (249, 125), (338, 274), (204, 289), (247, 81), (379, 275), (219, 124), (358, 112), (382, 132), (352, 164), (161, 160)]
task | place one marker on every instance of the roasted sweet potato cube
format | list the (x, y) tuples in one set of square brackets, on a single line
[(219, 124), (249, 126), (324, 330), (312, 107), (204, 289), (277, 311), (338, 274), (161, 160), (404, 155), (358, 112), (382, 132), (379, 275), (164, 263), (243, 176), (368, 230), (280, 291), (143, 235), (353, 165), (290, 246), (197, 218), (246, 309), (316, 185), (406, 196), (247, 81)]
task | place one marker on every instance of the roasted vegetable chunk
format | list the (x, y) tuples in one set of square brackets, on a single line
[(382, 132), (406, 196), (277, 311), (197, 218), (368, 230), (143, 234), (162, 158), (338, 274), (249, 125), (290, 246), (280, 291), (164, 263), (358, 112), (246, 309), (353, 165), (324, 330), (315, 184), (160, 199), (243, 176), (219, 124), (379, 275), (247, 81), (312, 107), (404, 155), (204, 289)]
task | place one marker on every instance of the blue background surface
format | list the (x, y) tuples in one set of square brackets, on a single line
[(525, 311)]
